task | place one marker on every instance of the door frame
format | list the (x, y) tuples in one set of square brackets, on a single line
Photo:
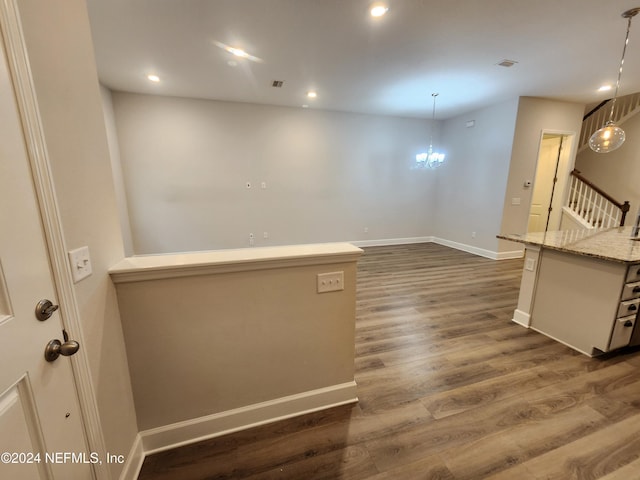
[(563, 175), (36, 147)]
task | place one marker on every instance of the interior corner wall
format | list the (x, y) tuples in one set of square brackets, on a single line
[(472, 181), (535, 116), (204, 174), (617, 172), (62, 63), (116, 168)]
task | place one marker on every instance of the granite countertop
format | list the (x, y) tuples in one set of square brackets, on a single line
[(614, 244)]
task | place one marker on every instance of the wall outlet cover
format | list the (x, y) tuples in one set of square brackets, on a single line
[(330, 282)]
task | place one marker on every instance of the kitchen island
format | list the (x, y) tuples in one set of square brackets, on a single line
[(581, 287)]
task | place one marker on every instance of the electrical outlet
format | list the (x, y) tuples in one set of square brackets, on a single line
[(330, 282), (473, 234), (530, 264)]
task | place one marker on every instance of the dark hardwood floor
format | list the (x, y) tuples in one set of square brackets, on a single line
[(448, 387)]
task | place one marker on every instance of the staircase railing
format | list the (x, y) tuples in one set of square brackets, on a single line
[(625, 108), (595, 206)]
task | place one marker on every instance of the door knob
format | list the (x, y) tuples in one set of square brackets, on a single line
[(55, 348), (44, 309)]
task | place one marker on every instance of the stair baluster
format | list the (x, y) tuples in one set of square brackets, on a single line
[(593, 205)]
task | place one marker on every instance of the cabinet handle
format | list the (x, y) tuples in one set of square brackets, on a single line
[(628, 323), (632, 307), (636, 289)]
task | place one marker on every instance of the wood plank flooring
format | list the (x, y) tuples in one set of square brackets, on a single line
[(449, 388)]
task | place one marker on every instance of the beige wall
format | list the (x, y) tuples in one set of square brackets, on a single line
[(535, 116), (247, 328), (63, 67), (471, 184), (328, 175), (487, 166), (116, 169), (618, 172)]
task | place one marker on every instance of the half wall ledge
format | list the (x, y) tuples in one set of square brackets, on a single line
[(171, 265), (223, 340)]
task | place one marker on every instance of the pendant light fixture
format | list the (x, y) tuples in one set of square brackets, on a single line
[(611, 137), (431, 159)]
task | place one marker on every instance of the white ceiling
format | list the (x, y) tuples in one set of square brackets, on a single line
[(565, 50)]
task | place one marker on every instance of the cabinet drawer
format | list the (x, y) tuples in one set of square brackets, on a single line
[(633, 274), (631, 290), (622, 330), (628, 307)]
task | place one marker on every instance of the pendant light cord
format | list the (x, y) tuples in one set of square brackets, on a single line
[(624, 51), (433, 119)]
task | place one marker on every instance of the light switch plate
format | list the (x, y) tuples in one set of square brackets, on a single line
[(330, 282), (80, 263)]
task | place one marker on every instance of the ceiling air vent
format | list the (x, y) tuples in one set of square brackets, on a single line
[(507, 63), (277, 83)]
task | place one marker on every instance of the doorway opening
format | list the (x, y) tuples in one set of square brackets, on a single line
[(550, 183)]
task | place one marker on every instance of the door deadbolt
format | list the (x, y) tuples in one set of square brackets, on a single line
[(55, 348), (44, 309)]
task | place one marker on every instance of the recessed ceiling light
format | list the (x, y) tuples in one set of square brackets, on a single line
[(305, 106), (238, 52), (153, 78), (605, 88), (312, 94), (378, 10), (507, 63)]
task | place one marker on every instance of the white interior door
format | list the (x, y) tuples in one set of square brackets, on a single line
[(563, 174), (544, 183), (41, 431)]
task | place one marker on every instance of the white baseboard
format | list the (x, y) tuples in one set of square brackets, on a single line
[(210, 426), (521, 318), (466, 248), (134, 460), (441, 241), (391, 241), (511, 254)]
